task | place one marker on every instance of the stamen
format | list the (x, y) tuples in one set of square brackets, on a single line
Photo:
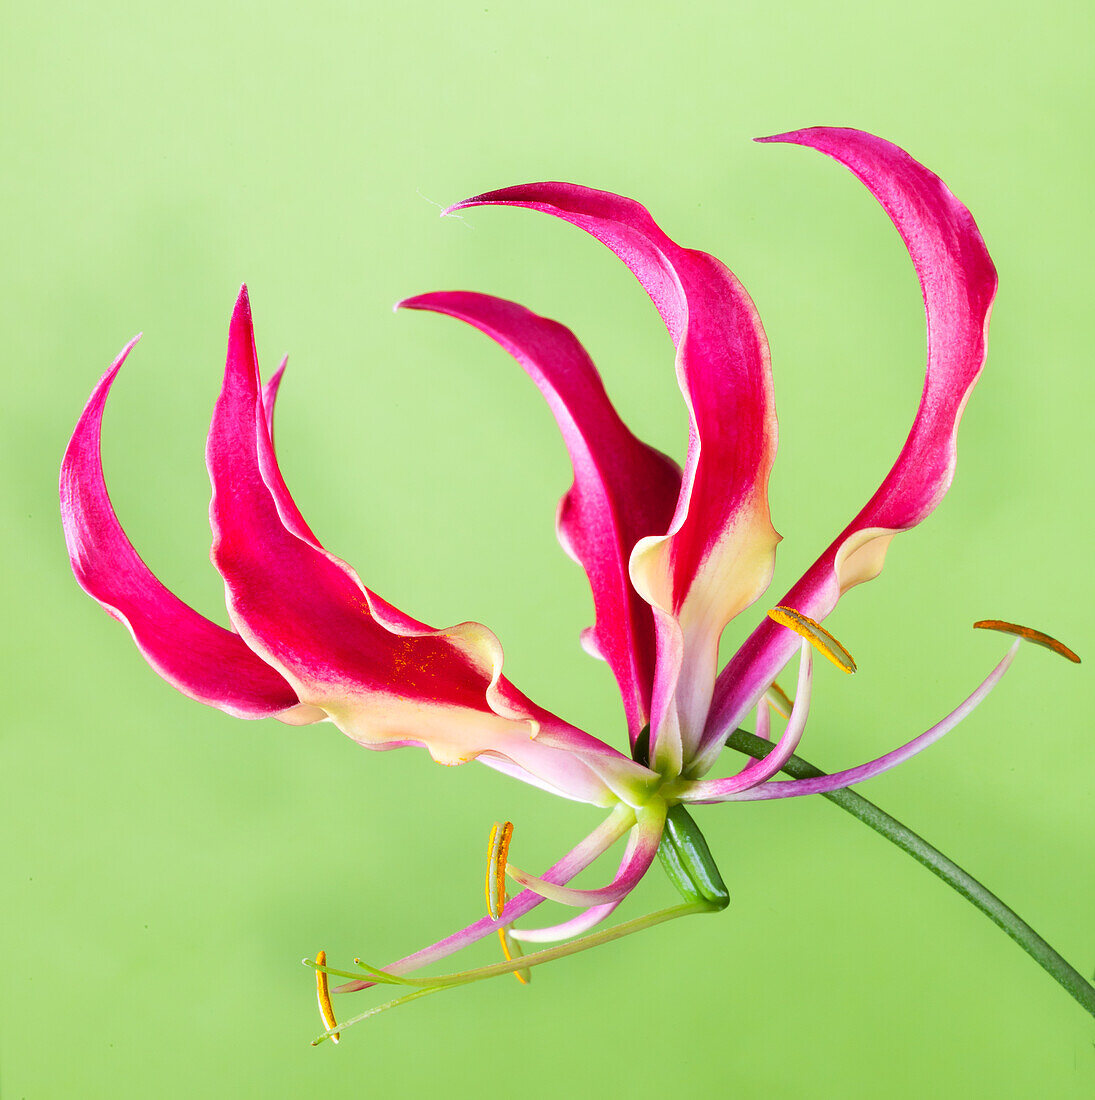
[(1030, 635), (536, 958), (779, 700), (815, 634), (323, 995), (512, 950), (497, 855)]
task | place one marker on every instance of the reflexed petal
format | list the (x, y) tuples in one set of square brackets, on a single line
[(958, 283), (568, 929), (717, 554), (194, 655), (382, 676), (787, 788), (642, 847), (575, 926), (622, 488)]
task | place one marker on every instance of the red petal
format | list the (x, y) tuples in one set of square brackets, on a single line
[(622, 491), (717, 554), (200, 658), (958, 282)]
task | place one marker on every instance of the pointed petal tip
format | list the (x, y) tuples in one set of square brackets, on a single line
[(791, 135), (434, 301), (485, 199), (424, 303), (241, 312), (795, 137), (119, 359), (102, 388), (193, 654)]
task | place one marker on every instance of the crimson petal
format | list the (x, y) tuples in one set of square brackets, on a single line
[(384, 678), (622, 491), (717, 554), (958, 281), (193, 654)]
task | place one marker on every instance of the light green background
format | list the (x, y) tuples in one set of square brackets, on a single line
[(164, 866)]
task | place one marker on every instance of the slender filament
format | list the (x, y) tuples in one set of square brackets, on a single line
[(538, 958)]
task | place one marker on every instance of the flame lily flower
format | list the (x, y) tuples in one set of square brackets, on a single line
[(671, 557)]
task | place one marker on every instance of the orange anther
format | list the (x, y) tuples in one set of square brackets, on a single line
[(497, 855), (1029, 634), (815, 634), (323, 995)]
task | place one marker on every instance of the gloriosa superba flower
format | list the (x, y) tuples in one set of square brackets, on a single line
[(671, 556)]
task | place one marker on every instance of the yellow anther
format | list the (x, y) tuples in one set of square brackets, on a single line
[(512, 950), (1030, 634), (779, 700), (497, 855), (815, 634), (323, 995)]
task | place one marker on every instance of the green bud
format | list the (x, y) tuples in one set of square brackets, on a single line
[(688, 861)]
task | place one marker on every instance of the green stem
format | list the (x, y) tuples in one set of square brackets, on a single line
[(949, 871)]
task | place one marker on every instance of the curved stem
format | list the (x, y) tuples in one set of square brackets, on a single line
[(964, 883)]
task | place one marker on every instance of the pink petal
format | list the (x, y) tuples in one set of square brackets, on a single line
[(622, 488), (642, 847), (575, 926), (788, 788), (194, 655), (381, 676), (958, 282), (717, 555)]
